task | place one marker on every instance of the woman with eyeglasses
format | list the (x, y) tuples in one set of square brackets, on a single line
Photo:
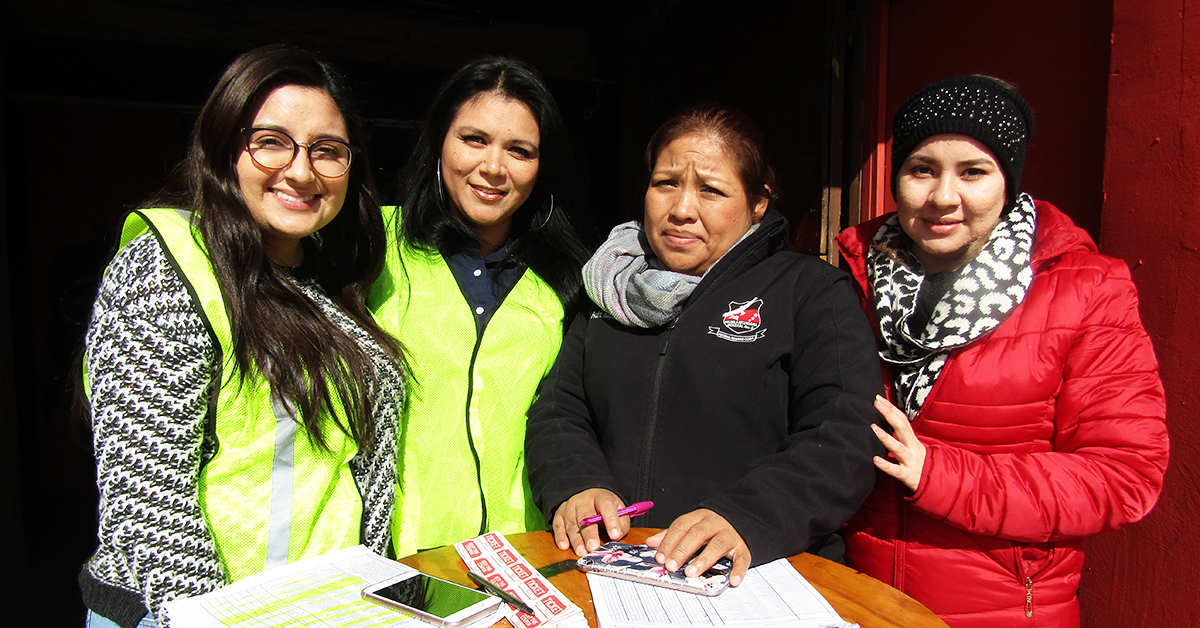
[(483, 267), (243, 402)]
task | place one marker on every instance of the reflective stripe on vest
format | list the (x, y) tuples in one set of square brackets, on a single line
[(279, 522), (463, 384), (270, 496)]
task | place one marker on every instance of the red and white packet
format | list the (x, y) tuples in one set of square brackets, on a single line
[(494, 558)]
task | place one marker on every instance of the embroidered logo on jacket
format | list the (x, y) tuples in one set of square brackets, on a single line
[(743, 320)]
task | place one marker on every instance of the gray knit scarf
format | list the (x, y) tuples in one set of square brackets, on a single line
[(629, 282), (986, 290)]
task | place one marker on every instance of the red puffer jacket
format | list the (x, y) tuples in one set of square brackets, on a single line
[(1047, 430)]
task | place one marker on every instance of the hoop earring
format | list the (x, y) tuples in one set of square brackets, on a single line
[(548, 214), (441, 200)]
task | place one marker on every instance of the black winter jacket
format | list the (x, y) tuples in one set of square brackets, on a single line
[(756, 403)]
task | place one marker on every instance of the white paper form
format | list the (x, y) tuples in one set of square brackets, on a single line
[(320, 592), (773, 595)]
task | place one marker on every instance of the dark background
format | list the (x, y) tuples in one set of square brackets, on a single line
[(99, 97)]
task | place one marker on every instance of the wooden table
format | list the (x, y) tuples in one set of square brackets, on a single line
[(856, 597)]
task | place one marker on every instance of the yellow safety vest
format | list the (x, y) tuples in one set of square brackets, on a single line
[(270, 496), (463, 444)]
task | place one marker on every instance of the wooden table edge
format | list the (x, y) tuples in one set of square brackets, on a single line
[(851, 593)]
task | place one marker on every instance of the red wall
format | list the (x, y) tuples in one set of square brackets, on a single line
[(1147, 574), (1057, 55), (1120, 153)]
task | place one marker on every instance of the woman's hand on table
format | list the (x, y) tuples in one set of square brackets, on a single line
[(696, 529), (904, 446), (594, 501)]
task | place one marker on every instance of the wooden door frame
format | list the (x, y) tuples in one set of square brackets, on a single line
[(857, 161)]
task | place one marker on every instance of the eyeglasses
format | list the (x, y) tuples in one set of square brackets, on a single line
[(275, 150)]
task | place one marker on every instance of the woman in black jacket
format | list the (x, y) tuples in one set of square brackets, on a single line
[(726, 380)]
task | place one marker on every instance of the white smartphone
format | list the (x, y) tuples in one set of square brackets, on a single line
[(432, 599)]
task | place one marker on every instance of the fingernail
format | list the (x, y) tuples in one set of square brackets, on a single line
[(613, 533), (735, 580)]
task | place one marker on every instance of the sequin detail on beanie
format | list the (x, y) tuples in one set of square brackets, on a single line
[(980, 107)]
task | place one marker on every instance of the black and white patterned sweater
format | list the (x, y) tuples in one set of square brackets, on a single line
[(149, 363)]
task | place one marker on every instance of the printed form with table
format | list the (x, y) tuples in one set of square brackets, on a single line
[(326, 592)]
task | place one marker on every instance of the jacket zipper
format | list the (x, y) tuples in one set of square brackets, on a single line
[(652, 420), (643, 489), (1026, 570), (899, 559)]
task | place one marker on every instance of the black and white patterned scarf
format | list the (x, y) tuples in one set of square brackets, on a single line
[(985, 291)]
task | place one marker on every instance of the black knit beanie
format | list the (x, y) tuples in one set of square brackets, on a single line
[(978, 106)]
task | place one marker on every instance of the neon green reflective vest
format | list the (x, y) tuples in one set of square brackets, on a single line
[(269, 495), (463, 444)]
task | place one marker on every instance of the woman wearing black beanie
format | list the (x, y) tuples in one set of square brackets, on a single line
[(1022, 387)]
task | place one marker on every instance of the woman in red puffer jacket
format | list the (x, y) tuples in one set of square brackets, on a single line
[(1028, 411)]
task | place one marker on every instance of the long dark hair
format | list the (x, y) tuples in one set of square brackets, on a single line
[(545, 238), (278, 332)]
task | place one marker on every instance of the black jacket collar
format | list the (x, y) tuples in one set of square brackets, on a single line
[(769, 239)]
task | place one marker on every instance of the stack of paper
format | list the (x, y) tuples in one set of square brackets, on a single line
[(322, 591), (494, 558), (773, 595)]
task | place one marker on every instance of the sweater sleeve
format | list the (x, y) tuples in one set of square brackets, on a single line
[(149, 363), (1111, 445), (793, 500), (562, 449)]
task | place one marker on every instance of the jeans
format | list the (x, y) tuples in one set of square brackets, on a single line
[(100, 621)]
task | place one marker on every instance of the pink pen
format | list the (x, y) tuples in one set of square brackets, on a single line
[(633, 511)]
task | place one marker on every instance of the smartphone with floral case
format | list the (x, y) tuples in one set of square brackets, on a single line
[(636, 563)]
